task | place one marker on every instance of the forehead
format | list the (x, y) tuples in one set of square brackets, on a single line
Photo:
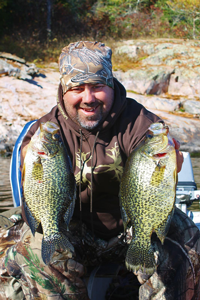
[(83, 85)]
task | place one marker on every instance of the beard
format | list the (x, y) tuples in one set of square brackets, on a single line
[(90, 123)]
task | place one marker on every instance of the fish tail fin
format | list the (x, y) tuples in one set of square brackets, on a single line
[(140, 257), (52, 243)]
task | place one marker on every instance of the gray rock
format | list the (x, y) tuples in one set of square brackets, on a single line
[(162, 46), (171, 67), (158, 58), (12, 57), (8, 69), (23, 71), (192, 107), (185, 82), (154, 102), (131, 50), (146, 49), (152, 80)]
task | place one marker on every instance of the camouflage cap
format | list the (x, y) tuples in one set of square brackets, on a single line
[(85, 62)]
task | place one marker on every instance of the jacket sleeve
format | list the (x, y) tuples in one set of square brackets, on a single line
[(51, 116), (27, 139)]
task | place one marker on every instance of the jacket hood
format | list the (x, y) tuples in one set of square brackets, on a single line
[(118, 106)]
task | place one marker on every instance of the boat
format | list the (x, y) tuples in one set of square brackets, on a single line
[(186, 191)]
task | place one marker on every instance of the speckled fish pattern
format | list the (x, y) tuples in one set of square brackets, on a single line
[(49, 188), (147, 196)]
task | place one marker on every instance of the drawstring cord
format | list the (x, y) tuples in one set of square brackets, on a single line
[(81, 170), (91, 195)]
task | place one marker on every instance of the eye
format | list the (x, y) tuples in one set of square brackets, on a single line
[(98, 86), (55, 137), (77, 89), (150, 136)]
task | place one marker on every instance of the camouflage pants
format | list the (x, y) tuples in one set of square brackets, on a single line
[(23, 275)]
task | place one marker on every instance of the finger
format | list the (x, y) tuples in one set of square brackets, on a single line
[(67, 266), (73, 269), (176, 144), (142, 277), (179, 159)]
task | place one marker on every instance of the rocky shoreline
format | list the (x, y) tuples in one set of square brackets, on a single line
[(166, 80)]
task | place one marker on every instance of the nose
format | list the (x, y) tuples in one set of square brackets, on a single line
[(88, 95)]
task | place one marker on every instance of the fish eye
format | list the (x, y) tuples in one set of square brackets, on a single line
[(55, 137), (150, 136)]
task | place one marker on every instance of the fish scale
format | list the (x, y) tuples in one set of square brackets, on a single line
[(49, 188), (147, 196)]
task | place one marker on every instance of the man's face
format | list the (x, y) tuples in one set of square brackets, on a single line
[(88, 104)]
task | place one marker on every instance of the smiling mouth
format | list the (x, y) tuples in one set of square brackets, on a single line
[(89, 109)]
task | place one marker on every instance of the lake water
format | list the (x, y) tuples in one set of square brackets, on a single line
[(5, 189), (6, 194)]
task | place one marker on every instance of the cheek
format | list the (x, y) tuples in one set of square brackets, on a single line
[(71, 101), (70, 109), (109, 102)]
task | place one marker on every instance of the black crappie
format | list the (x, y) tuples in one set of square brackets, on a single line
[(49, 188), (147, 195)]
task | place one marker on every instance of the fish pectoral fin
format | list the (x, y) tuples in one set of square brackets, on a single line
[(125, 217), (69, 213), (163, 228), (32, 222)]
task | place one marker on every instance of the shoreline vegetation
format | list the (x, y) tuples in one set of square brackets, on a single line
[(38, 30)]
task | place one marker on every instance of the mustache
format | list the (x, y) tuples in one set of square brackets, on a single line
[(90, 105)]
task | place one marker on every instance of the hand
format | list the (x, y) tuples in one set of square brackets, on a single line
[(179, 155), (141, 276)]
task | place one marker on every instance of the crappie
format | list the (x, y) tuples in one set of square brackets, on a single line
[(49, 188), (147, 195)]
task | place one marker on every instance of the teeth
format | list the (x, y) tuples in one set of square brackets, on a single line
[(90, 110)]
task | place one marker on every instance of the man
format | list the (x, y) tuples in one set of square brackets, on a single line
[(100, 128)]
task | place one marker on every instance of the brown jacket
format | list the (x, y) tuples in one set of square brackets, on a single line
[(103, 155)]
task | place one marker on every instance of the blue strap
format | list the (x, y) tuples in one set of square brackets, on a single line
[(15, 173)]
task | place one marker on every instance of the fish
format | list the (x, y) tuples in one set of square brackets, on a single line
[(49, 189), (147, 196)]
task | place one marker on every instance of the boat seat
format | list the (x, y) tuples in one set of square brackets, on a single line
[(15, 173)]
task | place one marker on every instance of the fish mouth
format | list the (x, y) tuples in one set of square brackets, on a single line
[(160, 155), (41, 148), (45, 153), (41, 153)]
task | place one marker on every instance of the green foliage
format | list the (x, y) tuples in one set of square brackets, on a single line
[(183, 16), (24, 30), (3, 3), (195, 154)]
